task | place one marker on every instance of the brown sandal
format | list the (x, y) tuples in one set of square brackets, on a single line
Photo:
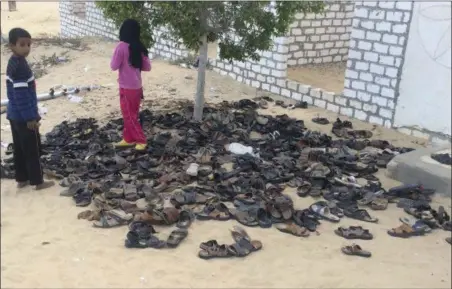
[(355, 250), (405, 231), (293, 229)]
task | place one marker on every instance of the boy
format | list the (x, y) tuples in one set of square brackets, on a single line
[(22, 113)]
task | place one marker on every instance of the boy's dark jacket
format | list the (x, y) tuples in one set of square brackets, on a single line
[(21, 91)]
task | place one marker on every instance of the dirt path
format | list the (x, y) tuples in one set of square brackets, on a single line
[(78, 255)]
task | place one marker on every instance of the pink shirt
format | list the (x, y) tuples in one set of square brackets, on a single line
[(129, 76)]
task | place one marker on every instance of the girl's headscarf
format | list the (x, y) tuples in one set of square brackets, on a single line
[(130, 33)]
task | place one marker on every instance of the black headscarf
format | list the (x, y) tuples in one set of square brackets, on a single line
[(130, 33)]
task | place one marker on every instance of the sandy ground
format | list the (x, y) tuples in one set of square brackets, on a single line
[(39, 18), (80, 256), (329, 76)]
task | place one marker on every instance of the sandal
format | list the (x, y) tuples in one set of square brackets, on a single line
[(186, 217), (263, 218), (188, 198), (220, 251), (379, 204), (89, 215), (209, 244), (176, 237), (82, 198), (293, 229), (416, 224), (217, 212), (135, 241), (73, 189), (143, 229), (247, 199), (355, 250), (321, 208), (359, 214), (304, 189), (246, 217), (354, 232), (109, 221), (248, 245), (320, 120), (130, 192), (406, 231)]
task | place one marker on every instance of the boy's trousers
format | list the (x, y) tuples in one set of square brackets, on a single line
[(27, 152)]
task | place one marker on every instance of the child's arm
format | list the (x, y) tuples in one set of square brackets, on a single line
[(146, 64), (118, 56), (21, 89)]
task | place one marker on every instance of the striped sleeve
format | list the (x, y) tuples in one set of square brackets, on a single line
[(20, 84)]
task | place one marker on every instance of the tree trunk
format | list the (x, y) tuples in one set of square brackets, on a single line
[(12, 6), (199, 100)]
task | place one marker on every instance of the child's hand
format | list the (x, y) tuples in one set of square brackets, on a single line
[(33, 125)]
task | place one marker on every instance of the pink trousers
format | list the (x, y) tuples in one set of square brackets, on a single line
[(130, 107)]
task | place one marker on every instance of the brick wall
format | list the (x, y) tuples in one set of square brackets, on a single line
[(94, 24), (377, 48), (321, 38), (377, 44)]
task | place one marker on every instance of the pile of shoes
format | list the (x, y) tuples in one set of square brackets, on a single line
[(235, 164)]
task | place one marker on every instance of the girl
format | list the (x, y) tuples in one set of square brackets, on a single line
[(130, 58)]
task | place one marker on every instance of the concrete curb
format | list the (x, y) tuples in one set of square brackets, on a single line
[(417, 167)]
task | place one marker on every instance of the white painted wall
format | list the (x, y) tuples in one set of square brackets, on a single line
[(425, 87)]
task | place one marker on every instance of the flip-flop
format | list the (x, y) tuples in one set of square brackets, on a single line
[(321, 208), (355, 250), (354, 232), (293, 229), (176, 237)]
